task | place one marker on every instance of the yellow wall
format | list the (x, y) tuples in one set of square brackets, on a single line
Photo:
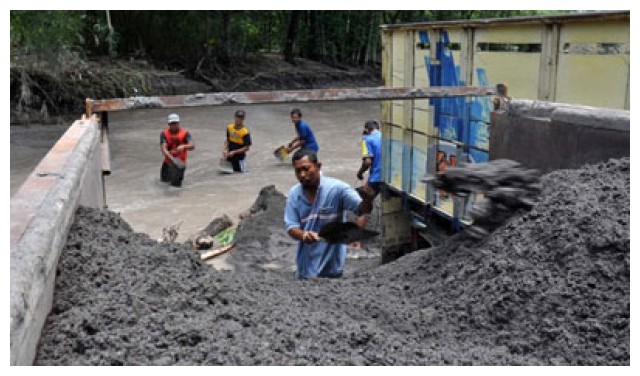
[(593, 79), (518, 70), (591, 32), (509, 34)]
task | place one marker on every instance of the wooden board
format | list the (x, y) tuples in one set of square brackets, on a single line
[(217, 252)]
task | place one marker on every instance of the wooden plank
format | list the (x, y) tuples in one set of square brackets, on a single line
[(217, 252)]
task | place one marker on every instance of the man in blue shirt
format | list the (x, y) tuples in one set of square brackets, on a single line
[(371, 160), (371, 156), (304, 135), (316, 201)]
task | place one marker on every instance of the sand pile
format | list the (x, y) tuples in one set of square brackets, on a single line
[(261, 240), (548, 287)]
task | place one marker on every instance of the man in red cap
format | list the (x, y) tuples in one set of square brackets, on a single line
[(174, 143)]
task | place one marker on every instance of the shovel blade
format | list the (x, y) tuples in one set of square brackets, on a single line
[(281, 153), (225, 167), (177, 162), (344, 233)]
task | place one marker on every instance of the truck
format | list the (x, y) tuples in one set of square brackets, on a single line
[(579, 59)]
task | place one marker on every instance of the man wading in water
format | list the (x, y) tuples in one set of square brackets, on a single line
[(175, 142)]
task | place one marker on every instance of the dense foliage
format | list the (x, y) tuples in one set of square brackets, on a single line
[(195, 40)]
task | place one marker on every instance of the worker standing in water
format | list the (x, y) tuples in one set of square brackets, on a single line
[(175, 142), (237, 143), (371, 161), (371, 156), (304, 135), (316, 201)]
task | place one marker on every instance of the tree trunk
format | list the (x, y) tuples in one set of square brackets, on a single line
[(110, 41), (367, 50), (322, 37), (291, 36), (226, 35), (269, 32)]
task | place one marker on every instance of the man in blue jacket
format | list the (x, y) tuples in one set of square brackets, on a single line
[(304, 135), (316, 201)]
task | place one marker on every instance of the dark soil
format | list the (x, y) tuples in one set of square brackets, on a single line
[(261, 240), (550, 287), (269, 71)]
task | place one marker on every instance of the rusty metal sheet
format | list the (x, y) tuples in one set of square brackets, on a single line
[(284, 96)]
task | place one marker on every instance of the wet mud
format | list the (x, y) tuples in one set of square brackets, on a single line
[(548, 287)]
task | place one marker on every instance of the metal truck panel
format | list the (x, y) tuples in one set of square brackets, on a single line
[(594, 65), (519, 34), (595, 32), (572, 87), (570, 136), (499, 67)]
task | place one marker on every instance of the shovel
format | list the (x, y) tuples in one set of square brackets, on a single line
[(225, 167), (281, 153), (177, 162), (344, 233)]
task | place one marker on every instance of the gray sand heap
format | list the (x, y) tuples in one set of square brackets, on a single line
[(261, 239), (551, 286)]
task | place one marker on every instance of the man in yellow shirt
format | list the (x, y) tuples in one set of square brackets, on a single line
[(237, 143)]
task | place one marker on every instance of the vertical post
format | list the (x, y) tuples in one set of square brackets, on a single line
[(409, 81), (105, 153), (467, 51), (110, 35), (549, 62), (387, 71), (88, 107), (385, 127)]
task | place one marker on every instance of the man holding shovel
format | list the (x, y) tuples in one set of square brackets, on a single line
[(237, 143), (174, 143), (305, 139), (312, 204)]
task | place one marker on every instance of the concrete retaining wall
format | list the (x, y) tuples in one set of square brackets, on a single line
[(41, 214), (550, 136)]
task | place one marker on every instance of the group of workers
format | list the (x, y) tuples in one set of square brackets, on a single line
[(314, 202)]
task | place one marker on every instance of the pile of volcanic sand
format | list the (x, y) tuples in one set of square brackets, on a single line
[(261, 240), (550, 287), (122, 298)]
